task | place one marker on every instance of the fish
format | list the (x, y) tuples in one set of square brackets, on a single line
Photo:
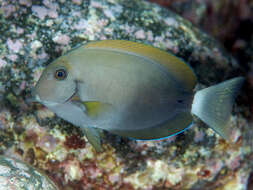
[(132, 90)]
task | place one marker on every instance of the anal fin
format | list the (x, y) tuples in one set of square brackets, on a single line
[(171, 127)]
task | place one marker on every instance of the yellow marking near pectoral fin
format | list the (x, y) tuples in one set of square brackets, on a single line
[(177, 68), (95, 108)]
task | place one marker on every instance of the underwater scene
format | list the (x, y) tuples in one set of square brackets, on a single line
[(126, 95)]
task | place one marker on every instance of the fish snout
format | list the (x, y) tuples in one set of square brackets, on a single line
[(33, 97)]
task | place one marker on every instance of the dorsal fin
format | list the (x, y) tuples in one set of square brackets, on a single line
[(177, 68)]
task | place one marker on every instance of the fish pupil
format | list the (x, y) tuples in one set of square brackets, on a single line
[(180, 101), (60, 74)]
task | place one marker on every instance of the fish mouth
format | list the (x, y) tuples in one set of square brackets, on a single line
[(74, 96), (36, 98), (33, 97)]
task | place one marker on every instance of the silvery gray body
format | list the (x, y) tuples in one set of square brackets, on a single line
[(132, 90)]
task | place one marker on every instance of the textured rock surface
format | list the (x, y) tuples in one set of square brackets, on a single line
[(34, 34), (16, 175)]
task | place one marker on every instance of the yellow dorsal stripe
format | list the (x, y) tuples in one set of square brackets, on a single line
[(177, 68)]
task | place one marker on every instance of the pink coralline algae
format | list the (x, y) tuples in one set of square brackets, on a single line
[(2, 63), (199, 136), (22, 85), (27, 3), (20, 30), (8, 10), (140, 34), (42, 12), (82, 24), (235, 163), (96, 4), (47, 143), (150, 36), (14, 45), (171, 22), (73, 170), (61, 39), (45, 30), (109, 14), (13, 57)]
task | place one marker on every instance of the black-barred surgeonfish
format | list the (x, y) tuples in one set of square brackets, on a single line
[(132, 90)]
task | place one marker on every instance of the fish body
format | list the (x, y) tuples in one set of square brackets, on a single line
[(129, 89)]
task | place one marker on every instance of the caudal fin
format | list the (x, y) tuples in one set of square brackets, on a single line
[(213, 105)]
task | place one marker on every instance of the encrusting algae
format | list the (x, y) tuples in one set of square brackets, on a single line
[(34, 35)]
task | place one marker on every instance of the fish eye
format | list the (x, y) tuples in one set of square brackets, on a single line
[(60, 74)]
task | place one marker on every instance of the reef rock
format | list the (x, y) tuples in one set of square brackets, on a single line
[(35, 33)]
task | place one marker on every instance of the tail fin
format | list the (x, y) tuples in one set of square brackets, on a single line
[(213, 105)]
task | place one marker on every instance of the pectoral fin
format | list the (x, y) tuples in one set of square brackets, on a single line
[(93, 137), (95, 109)]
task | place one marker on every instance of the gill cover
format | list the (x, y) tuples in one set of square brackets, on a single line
[(52, 89)]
